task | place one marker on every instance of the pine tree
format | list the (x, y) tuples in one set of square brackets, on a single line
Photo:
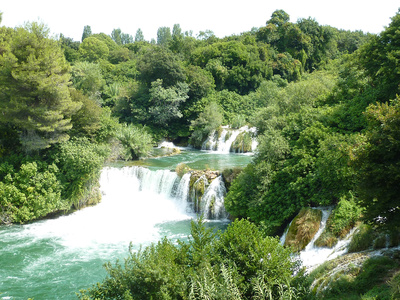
[(34, 80)]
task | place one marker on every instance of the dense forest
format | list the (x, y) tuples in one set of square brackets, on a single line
[(324, 101)]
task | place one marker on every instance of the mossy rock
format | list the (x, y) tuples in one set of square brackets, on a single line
[(327, 239), (181, 169), (242, 143), (303, 228), (229, 175), (363, 239)]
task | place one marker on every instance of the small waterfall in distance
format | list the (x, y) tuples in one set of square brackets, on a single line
[(223, 142)]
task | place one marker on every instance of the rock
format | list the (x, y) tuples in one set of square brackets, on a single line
[(303, 228)]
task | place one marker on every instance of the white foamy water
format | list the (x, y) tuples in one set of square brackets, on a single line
[(134, 201), (223, 144), (55, 258), (313, 256)]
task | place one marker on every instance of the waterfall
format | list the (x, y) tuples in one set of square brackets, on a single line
[(56, 257), (223, 141), (208, 197), (313, 256), (213, 200), (182, 192), (224, 144)]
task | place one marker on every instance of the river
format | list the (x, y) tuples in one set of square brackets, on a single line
[(55, 258)]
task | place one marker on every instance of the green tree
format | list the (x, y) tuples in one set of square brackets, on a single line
[(136, 141), (279, 18), (34, 93), (377, 165), (70, 47), (208, 121), (87, 120), (107, 40), (160, 63), (87, 32), (163, 36), (121, 38), (238, 264), (87, 77), (79, 162), (165, 102), (116, 36), (93, 49), (139, 37), (30, 192), (256, 256), (380, 57)]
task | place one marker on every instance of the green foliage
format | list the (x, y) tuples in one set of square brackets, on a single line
[(208, 121), (378, 164), (237, 264), (254, 255), (163, 36), (87, 120), (234, 65), (165, 102), (380, 59), (87, 77), (299, 161), (34, 79), (136, 140), (139, 37), (79, 162), (93, 49), (369, 281), (87, 32), (362, 239), (243, 189), (343, 218), (29, 192), (160, 63)]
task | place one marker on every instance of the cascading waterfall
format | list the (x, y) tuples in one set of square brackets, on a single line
[(213, 200), (208, 197), (223, 142), (312, 255), (57, 257), (182, 191)]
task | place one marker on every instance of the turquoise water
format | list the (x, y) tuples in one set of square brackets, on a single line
[(195, 159), (54, 259)]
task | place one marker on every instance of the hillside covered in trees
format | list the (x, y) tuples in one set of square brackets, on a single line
[(324, 101)]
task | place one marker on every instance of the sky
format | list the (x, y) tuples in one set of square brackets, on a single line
[(223, 17)]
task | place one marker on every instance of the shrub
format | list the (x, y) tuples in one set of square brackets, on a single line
[(362, 239), (29, 193), (137, 141), (343, 218), (237, 264), (80, 163)]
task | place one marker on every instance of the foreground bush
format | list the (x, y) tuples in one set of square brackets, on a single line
[(80, 162), (29, 192), (239, 263)]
